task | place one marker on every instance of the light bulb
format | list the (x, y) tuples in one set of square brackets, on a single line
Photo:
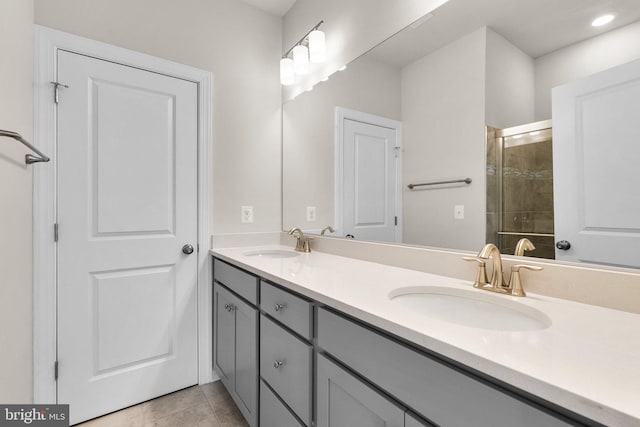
[(301, 60), (317, 46), (287, 75)]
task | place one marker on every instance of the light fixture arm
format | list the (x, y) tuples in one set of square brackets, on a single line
[(301, 41)]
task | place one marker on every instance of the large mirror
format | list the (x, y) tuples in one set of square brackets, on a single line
[(460, 101)]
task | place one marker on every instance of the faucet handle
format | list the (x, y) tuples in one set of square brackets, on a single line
[(481, 277), (515, 283), (306, 244)]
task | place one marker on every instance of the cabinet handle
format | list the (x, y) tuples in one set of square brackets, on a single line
[(226, 307), (278, 364), (279, 307), (229, 307)]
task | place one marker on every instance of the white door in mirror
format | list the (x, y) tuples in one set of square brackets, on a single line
[(369, 184), (595, 154)]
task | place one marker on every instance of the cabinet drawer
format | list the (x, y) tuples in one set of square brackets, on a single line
[(293, 311), (285, 364), (440, 393), (240, 282), (272, 412), (344, 400)]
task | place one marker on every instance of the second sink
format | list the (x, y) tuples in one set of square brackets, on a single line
[(470, 308), (272, 253)]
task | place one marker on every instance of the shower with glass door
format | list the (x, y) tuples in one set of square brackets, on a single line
[(520, 188)]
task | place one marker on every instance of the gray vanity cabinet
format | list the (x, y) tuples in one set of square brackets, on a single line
[(411, 421), (286, 352), (443, 394), (316, 367), (344, 400), (235, 346), (273, 413)]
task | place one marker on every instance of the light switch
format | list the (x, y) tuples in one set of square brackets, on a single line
[(311, 213), (458, 211), (247, 214)]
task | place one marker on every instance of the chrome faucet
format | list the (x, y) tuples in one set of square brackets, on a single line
[(302, 242), (328, 228), (524, 244)]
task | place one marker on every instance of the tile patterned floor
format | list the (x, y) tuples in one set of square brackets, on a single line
[(207, 405)]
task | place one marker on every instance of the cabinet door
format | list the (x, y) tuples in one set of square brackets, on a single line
[(273, 413), (343, 400), (224, 330), (246, 359)]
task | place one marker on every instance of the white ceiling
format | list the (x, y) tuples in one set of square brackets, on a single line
[(275, 7), (537, 27)]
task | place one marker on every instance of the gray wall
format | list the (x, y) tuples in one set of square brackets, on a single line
[(16, 19), (443, 115)]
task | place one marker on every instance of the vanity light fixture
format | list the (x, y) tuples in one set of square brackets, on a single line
[(301, 60), (317, 46), (287, 73), (310, 48), (602, 20)]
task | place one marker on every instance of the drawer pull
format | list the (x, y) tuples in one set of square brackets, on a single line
[(279, 307), (278, 364)]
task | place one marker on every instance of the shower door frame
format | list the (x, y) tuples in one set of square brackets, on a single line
[(500, 135)]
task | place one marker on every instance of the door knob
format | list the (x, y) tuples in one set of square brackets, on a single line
[(350, 236), (563, 245), (187, 249)]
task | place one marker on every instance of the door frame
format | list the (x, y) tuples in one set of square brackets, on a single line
[(342, 114), (47, 43)]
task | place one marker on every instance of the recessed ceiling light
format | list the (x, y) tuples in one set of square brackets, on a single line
[(602, 20)]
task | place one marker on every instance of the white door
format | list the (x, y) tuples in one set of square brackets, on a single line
[(127, 203), (369, 184), (596, 153)]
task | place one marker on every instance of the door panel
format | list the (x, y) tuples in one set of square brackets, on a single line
[(246, 339), (596, 129), (370, 181), (343, 400), (224, 334), (127, 202), (148, 141)]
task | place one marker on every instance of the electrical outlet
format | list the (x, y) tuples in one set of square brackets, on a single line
[(458, 211), (311, 213), (246, 214)]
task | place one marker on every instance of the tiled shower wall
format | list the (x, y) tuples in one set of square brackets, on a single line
[(526, 205)]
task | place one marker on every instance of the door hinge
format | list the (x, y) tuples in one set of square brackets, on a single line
[(56, 91), (55, 232), (198, 247), (396, 220), (55, 370)]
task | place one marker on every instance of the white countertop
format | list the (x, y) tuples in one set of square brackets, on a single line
[(587, 361)]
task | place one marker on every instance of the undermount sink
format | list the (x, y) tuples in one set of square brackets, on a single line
[(272, 253), (471, 308)]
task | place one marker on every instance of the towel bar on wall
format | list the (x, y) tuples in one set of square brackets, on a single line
[(28, 158), (453, 181)]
